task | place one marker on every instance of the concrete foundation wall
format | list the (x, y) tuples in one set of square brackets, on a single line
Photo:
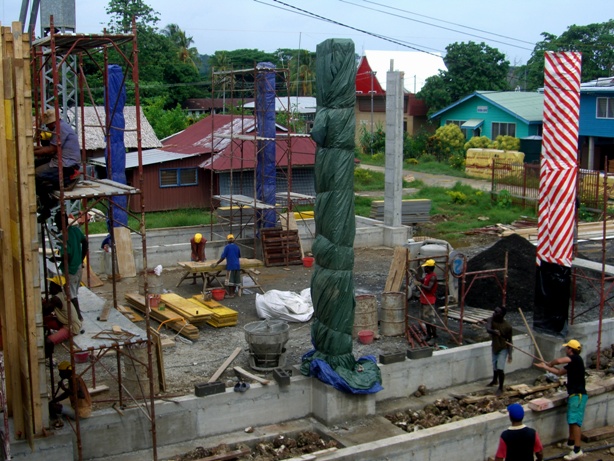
[(192, 418), (167, 247)]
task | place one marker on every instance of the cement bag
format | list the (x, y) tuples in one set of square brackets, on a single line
[(285, 305)]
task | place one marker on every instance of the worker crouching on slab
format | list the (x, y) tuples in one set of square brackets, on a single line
[(576, 389), (232, 255), (73, 388), (501, 332), (55, 319)]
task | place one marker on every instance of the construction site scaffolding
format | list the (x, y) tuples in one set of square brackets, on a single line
[(55, 55), (240, 211)]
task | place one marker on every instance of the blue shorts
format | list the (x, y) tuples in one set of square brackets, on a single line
[(499, 359), (576, 403)]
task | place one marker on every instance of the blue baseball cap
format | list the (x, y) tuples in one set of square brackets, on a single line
[(516, 412)]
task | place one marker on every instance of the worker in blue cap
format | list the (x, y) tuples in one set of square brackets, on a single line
[(519, 442)]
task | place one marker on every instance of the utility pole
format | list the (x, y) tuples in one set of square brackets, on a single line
[(372, 92)]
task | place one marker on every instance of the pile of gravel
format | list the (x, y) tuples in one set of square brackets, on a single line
[(486, 293)]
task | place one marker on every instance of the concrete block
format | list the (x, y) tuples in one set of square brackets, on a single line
[(204, 389), (541, 404), (391, 358), (282, 376), (331, 406), (608, 384), (594, 388), (419, 353)]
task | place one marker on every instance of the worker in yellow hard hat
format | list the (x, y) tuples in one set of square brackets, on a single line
[(197, 244), (427, 287), (232, 255), (80, 399)]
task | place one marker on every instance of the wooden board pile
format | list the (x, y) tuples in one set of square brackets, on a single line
[(165, 316), (222, 316), (470, 314), (412, 211), (194, 313)]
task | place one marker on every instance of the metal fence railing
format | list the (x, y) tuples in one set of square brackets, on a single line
[(521, 181)]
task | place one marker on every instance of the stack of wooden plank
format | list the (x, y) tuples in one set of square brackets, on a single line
[(188, 310), (470, 314), (170, 318), (412, 211), (222, 316)]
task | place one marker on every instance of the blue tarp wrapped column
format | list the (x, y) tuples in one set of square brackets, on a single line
[(265, 122), (115, 152), (332, 283)]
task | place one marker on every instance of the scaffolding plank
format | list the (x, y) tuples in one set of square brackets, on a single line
[(592, 265), (125, 258), (396, 274)]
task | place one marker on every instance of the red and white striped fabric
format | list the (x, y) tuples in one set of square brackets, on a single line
[(559, 163)]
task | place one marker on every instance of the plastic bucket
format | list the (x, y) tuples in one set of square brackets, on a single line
[(365, 336), (308, 261), (154, 300), (218, 294), (82, 357)]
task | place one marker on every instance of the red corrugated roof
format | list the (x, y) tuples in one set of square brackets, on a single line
[(234, 153)]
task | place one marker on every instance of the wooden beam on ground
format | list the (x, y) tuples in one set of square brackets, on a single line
[(599, 433), (224, 365), (251, 376)]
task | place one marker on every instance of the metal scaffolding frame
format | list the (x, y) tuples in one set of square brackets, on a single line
[(240, 85), (53, 57)]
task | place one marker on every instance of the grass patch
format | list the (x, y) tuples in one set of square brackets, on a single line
[(456, 210), (362, 206), (161, 219)]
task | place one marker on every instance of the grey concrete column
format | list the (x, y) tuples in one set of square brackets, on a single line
[(394, 148)]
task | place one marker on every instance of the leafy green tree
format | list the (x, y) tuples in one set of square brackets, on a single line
[(504, 142), (594, 41), (478, 142), (470, 67), (121, 13), (164, 122), (447, 141), (187, 54)]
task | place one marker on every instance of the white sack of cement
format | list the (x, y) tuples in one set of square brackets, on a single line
[(285, 305)]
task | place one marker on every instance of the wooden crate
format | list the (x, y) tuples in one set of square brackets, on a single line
[(281, 247)]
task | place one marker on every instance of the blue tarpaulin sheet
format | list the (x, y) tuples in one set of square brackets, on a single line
[(115, 152), (265, 125)]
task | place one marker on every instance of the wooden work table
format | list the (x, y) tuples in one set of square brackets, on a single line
[(213, 274)]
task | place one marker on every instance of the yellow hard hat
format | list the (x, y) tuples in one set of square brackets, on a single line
[(46, 135), (429, 263), (65, 365), (574, 344), (230, 237), (58, 280), (198, 238)]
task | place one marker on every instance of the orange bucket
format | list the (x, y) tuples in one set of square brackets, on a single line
[(365, 336), (308, 261), (218, 294)]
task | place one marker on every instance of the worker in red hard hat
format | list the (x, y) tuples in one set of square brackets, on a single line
[(197, 244), (427, 287), (232, 255)]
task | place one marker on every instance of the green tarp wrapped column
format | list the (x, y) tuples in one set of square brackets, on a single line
[(332, 283)]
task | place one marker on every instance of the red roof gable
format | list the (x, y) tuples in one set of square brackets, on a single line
[(236, 154), (366, 80)]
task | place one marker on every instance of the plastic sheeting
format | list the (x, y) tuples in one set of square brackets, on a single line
[(332, 283), (285, 305), (265, 124), (115, 152)]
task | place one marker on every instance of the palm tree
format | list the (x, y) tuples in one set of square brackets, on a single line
[(187, 53)]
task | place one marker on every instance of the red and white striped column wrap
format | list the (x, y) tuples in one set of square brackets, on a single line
[(559, 163)]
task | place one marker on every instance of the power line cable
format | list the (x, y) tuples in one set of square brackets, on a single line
[(434, 25), (449, 22), (382, 37)]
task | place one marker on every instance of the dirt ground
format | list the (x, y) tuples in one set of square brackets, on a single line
[(190, 364)]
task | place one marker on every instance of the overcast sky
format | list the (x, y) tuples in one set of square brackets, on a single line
[(513, 26)]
